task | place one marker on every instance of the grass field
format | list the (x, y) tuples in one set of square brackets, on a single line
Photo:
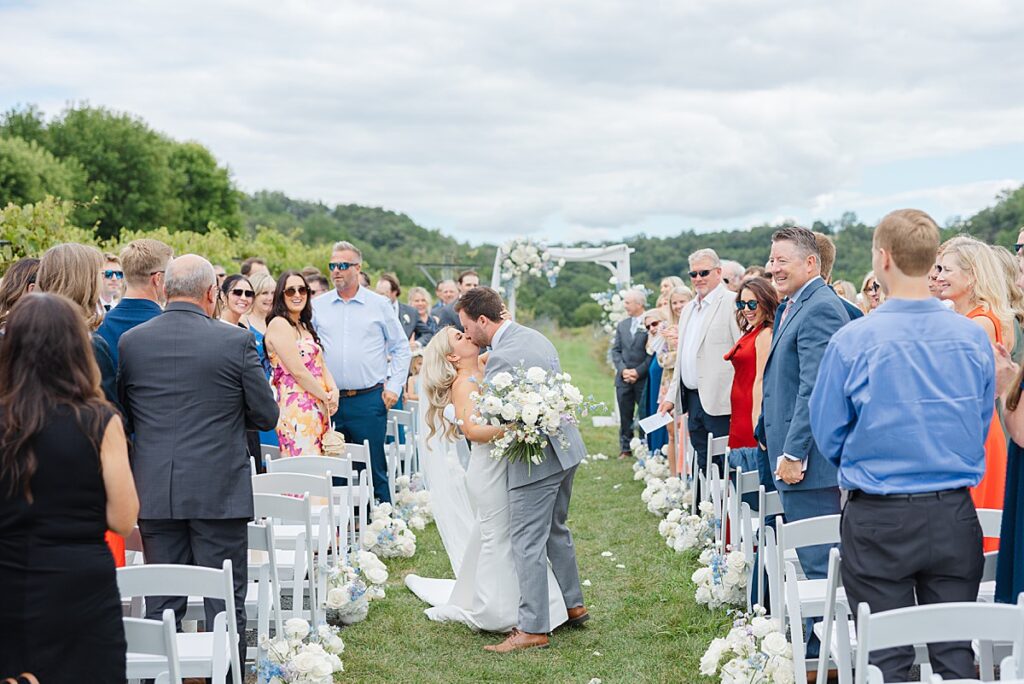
[(645, 626)]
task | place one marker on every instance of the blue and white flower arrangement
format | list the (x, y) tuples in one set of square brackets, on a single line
[(351, 586), (412, 501), (525, 257), (723, 579), (302, 655), (387, 535), (755, 651)]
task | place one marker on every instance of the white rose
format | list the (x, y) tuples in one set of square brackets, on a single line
[(508, 412), (337, 597), (761, 627), (736, 561), (701, 576), (775, 645), (417, 523), (572, 393), (376, 575), (323, 668), (492, 405), (709, 662), (674, 516), (706, 507), (369, 539), (703, 594), (502, 380), (530, 414), (296, 628), (305, 661)]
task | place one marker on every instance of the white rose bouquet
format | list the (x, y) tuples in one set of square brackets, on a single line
[(723, 579), (388, 536), (302, 655), (662, 496), (648, 465), (683, 532), (754, 652), (533, 405), (352, 585), (412, 501), (525, 257)]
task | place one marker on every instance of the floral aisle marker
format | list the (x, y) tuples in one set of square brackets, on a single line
[(755, 651), (525, 257), (684, 532), (723, 579), (412, 501), (663, 496), (302, 655), (647, 465), (352, 585), (388, 536)]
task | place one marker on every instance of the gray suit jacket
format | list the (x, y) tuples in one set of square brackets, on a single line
[(520, 345), (789, 376), (630, 351), (190, 386), (446, 316)]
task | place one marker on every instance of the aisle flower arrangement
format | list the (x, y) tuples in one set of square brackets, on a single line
[(684, 532), (387, 535), (352, 585), (302, 655), (723, 579), (755, 651), (648, 465), (412, 501), (525, 257), (662, 496)]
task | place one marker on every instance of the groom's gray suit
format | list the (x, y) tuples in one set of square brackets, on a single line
[(538, 496)]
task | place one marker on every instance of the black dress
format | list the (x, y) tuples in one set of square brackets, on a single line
[(60, 611)]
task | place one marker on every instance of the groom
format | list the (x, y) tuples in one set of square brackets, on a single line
[(538, 495)]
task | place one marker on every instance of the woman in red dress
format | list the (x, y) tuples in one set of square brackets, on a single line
[(755, 313)]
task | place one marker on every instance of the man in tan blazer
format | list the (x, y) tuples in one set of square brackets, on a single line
[(702, 380)]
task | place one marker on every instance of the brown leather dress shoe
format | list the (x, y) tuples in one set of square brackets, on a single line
[(577, 616), (519, 641), (623, 455)]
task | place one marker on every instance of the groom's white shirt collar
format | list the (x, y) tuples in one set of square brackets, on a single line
[(498, 333)]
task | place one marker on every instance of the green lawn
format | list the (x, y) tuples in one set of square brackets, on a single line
[(645, 626)]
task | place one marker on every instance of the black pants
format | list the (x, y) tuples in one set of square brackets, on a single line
[(204, 543), (900, 552), (700, 425), (629, 398)]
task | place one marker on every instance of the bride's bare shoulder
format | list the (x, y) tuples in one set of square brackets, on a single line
[(466, 385)]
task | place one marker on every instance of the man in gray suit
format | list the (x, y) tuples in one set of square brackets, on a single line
[(538, 495), (631, 361), (191, 386)]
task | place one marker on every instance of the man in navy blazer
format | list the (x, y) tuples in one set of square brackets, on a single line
[(812, 312)]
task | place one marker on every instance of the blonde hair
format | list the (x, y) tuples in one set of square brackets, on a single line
[(865, 298), (681, 291), (261, 282), (1015, 296), (413, 291), (73, 270), (438, 375), (141, 258), (675, 280), (982, 266)]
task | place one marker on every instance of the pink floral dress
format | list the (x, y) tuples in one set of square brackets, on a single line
[(304, 419)]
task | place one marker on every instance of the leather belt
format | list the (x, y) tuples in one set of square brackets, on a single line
[(352, 393), (859, 494)]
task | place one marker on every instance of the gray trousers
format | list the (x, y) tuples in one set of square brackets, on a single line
[(537, 514)]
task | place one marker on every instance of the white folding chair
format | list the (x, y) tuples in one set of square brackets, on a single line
[(320, 486), (792, 536), (155, 638), (203, 654), (269, 453), (769, 505), (263, 591), (742, 482), (988, 653), (836, 630), (717, 446), (407, 444), (937, 623), (133, 553), (295, 557), (796, 625)]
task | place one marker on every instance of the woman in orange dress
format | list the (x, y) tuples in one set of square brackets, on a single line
[(969, 275)]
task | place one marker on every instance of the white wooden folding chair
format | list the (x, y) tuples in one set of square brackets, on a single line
[(204, 654), (792, 536), (742, 482), (320, 486), (937, 623), (988, 653), (836, 630), (717, 446), (155, 638), (295, 557), (407, 443), (769, 505), (263, 591), (796, 624), (269, 453)]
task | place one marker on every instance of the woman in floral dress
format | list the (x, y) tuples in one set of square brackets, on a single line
[(305, 390)]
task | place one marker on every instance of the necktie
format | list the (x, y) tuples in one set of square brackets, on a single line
[(785, 312)]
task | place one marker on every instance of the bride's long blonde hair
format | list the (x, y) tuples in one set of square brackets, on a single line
[(438, 375)]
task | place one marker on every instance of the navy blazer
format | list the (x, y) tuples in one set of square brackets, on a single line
[(789, 376), (126, 315)]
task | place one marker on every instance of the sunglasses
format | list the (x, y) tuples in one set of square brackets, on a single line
[(113, 274), (652, 326), (750, 304), (874, 287), (292, 291), (239, 292), (703, 274), (342, 265), (1017, 247)]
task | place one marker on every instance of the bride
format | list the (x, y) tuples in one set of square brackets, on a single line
[(475, 529)]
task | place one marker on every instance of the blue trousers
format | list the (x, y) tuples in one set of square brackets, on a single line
[(364, 417)]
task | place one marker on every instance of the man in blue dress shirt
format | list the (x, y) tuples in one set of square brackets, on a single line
[(144, 263), (360, 332), (902, 407)]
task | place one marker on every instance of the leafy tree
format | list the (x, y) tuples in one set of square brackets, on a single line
[(203, 190), (28, 173)]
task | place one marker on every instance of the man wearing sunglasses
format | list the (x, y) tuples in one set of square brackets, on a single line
[(113, 279), (360, 332)]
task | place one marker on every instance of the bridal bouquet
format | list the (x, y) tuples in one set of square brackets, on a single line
[(412, 501), (684, 532), (302, 655), (352, 585), (662, 496), (723, 579), (754, 652), (532, 404), (388, 536)]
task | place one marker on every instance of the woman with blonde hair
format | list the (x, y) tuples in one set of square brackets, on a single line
[(871, 293), (669, 284), (655, 320), (1015, 298), (677, 301), (263, 286), (972, 278)]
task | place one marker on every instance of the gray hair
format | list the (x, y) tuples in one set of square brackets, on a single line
[(346, 246), (413, 291), (737, 269), (803, 239), (706, 253), (636, 293), (190, 276), (447, 281)]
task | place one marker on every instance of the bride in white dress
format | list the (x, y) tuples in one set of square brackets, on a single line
[(471, 505)]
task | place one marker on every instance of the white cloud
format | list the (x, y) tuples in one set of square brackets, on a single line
[(593, 116)]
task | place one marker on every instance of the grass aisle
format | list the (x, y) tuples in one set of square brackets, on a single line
[(645, 626)]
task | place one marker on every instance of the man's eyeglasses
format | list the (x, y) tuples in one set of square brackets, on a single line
[(342, 265), (750, 304), (113, 274), (703, 274), (292, 291), (240, 293)]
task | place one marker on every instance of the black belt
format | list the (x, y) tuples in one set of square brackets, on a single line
[(352, 393), (859, 494)]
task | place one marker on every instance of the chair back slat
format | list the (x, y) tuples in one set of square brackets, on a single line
[(171, 580)]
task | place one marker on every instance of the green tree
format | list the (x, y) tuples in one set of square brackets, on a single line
[(203, 190), (28, 173)]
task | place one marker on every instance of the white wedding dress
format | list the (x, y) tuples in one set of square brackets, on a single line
[(472, 514)]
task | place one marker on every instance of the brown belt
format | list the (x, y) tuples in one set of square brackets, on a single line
[(352, 393)]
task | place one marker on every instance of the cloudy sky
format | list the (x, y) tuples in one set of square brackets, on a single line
[(567, 119)]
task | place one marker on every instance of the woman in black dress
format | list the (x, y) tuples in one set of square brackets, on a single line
[(64, 479)]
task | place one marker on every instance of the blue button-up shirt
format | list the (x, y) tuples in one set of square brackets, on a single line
[(904, 399), (358, 337)]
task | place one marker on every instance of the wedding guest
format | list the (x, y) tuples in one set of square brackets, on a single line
[(254, 265), (256, 320), (703, 378), (145, 263), (848, 291), (364, 280), (191, 386), (447, 292), (360, 332), (221, 272), (447, 316), (654, 321), (306, 393), (1015, 299), (237, 296), (1010, 560), (113, 281), (408, 317), (972, 279), (318, 285), (827, 250), (677, 301), (18, 281), (871, 293), (732, 274), (412, 390), (756, 271), (64, 480), (669, 283), (419, 299), (629, 357), (755, 316), (931, 371)]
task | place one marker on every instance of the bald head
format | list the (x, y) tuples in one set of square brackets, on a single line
[(191, 278)]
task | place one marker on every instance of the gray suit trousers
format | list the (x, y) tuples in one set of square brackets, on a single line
[(538, 512)]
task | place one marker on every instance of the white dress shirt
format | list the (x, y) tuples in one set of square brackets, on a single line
[(691, 335)]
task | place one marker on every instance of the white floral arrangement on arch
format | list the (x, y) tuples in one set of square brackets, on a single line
[(302, 655), (412, 501), (684, 532), (352, 585), (613, 304), (525, 257), (648, 465), (723, 579), (755, 651), (387, 535), (662, 496)]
